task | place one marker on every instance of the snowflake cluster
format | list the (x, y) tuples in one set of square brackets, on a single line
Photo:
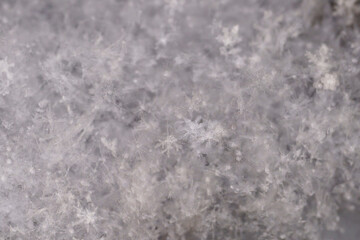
[(174, 119)]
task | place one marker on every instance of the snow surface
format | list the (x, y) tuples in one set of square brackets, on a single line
[(179, 119)]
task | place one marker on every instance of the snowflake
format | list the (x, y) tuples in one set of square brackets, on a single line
[(136, 147), (150, 125), (328, 82), (325, 78), (347, 9), (182, 59), (164, 40), (203, 133), (321, 58), (191, 128), (214, 132), (86, 217), (265, 31), (5, 68), (168, 144), (110, 145), (194, 103), (229, 38)]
